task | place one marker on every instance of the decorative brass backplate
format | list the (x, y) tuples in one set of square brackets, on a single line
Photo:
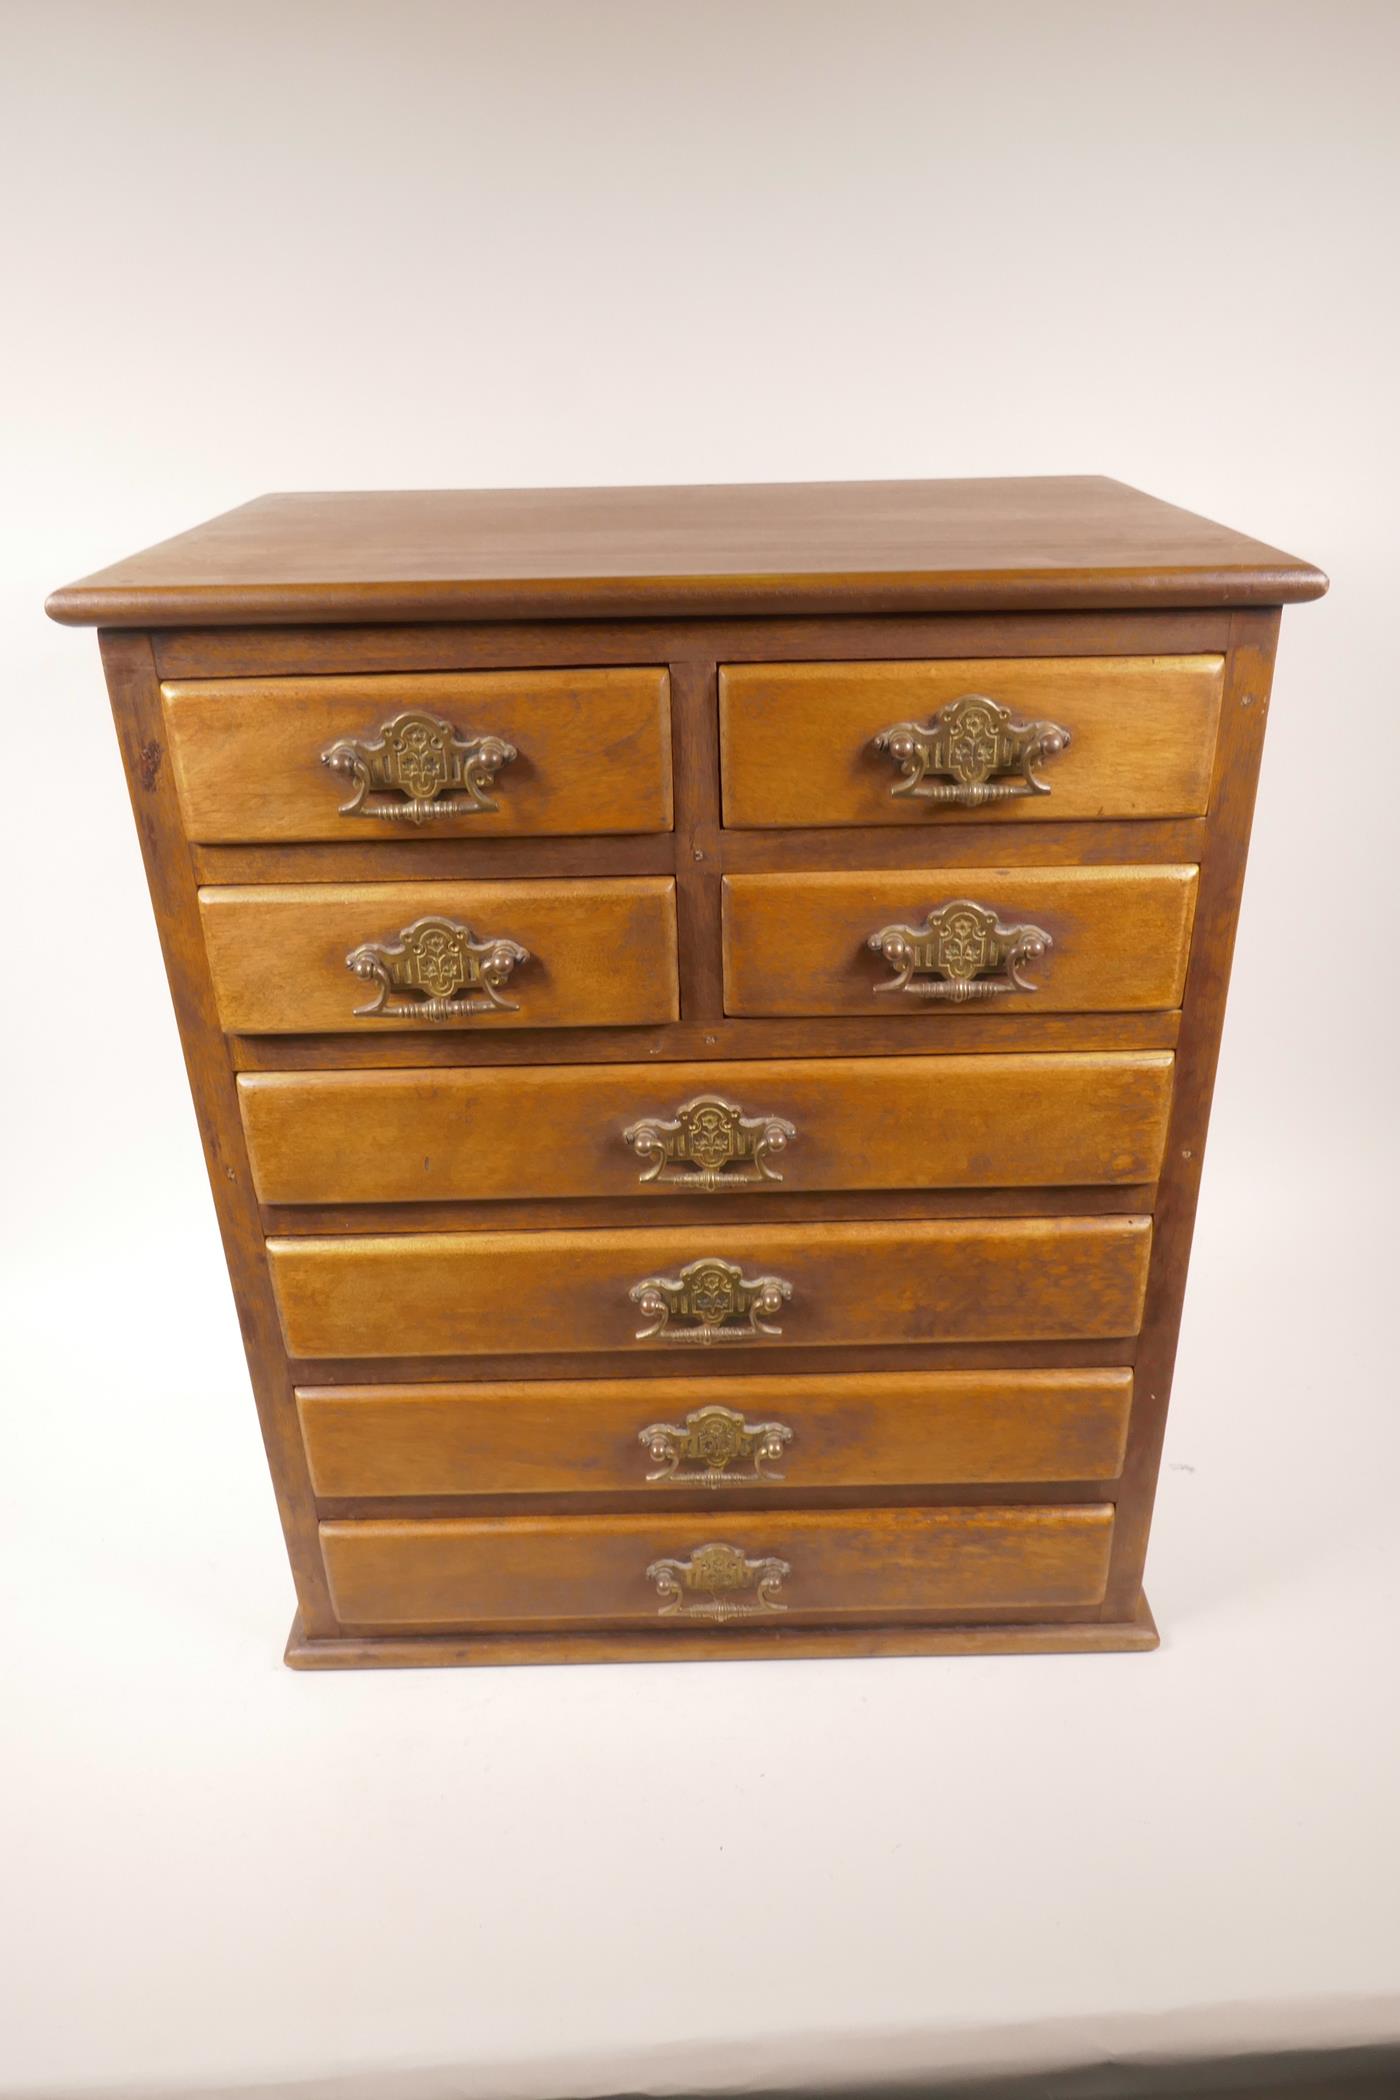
[(709, 1144), (715, 1448), (961, 952), (419, 769), (442, 970), (710, 1301), (953, 756), (718, 1582)]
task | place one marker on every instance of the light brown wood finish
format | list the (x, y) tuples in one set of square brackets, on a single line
[(810, 547), (881, 1562), (602, 954), (822, 1360), (135, 697), (1064, 1629), (1092, 571), (593, 752), (557, 1131), (697, 891), (819, 1035), (730, 852), (441, 1294), (821, 1207), (579, 1435), (294, 651), (1244, 716), (797, 944), (797, 740)]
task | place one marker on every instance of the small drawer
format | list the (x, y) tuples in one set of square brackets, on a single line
[(442, 955), (747, 1129), (765, 1286), (1002, 740), (920, 942), (479, 754), (746, 1437), (712, 1569)]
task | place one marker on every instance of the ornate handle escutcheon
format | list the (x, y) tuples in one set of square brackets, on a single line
[(710, 1301), (437, 970), (718, 1582), (709, 1144), (419, 769), (956, 754), (715, 1447), (960, 953)]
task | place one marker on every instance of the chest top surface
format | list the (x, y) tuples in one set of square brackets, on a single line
[(775, 548)]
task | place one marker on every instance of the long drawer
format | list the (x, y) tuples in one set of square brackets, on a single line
[(869, 743), (627, 1130), (476, 754), (507, 1293), (288, 960), (739, 1437), (920, 942), (714, 1569)]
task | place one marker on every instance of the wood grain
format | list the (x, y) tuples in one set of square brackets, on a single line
[(797, 944), (697, 839), (500, 554), (824, 1360), (942, 1357), (562, 1571), (544, 1213), (1243, 721), (728, 852), (556, 1131), (442, 645), (797, 740), (1064, 1629), (602, 954), (593, 753), (439, 1294), (819, 1035), (569, 1437), (135, 698)]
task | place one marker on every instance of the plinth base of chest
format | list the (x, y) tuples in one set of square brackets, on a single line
[(725, 1644)]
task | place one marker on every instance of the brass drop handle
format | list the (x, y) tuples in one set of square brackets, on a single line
[(709, 1144), (715, 1447), (418, 769), (711, 1300), (961, 952), (718, 1582), (958, 753), (437, 970)]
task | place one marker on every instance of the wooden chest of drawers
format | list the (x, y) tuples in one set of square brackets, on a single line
[(702, 1006)]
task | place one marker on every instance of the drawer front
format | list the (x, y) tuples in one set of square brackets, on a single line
[(442, 955), (955, 940), (745, 1437), (838, 1123), (768, 1286), (476, 754), (890, 743), (715, 1568)]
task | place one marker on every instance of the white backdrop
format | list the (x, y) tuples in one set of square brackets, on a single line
[(357, 245)]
